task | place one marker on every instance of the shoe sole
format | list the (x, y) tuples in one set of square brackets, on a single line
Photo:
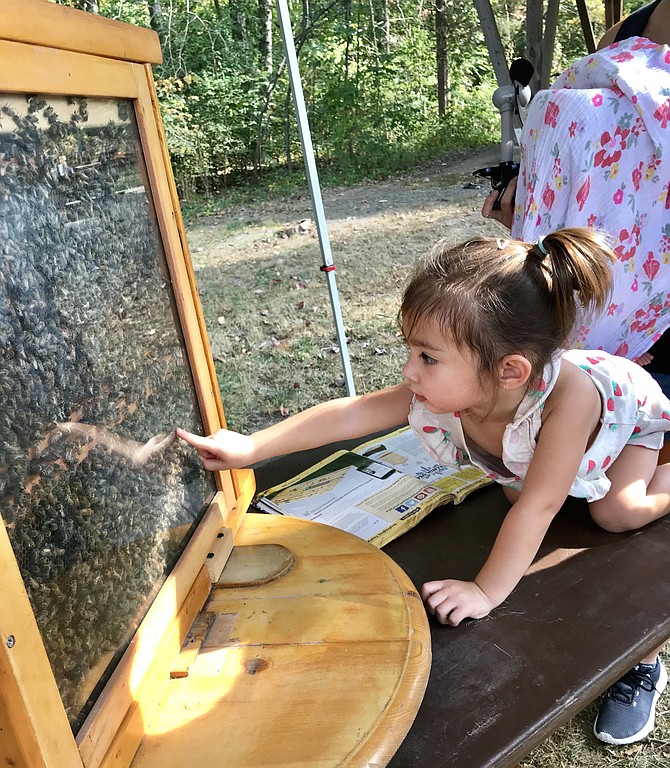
[(649, 726)]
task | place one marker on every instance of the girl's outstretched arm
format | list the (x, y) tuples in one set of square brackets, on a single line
[(329, 422), (573, 415)]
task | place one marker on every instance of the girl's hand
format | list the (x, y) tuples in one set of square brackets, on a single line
[(222, 450), (452, 601)]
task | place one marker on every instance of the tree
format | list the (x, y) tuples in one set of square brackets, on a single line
[(265, 37), (156, 17), (387, 82), (442, 57)]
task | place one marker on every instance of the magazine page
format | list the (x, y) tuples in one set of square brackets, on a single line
[(402, 450), (356, 494)]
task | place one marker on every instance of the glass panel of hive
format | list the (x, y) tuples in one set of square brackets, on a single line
[(97, 496)]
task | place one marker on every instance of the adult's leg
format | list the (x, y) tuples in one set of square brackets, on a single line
[(628, 709), (640, 493)]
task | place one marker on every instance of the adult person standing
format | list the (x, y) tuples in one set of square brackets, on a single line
[(651, 21), (596, 152)]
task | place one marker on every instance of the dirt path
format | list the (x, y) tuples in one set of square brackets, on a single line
[(446, 189)]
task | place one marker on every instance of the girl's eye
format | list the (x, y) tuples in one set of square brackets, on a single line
[(427, 359)]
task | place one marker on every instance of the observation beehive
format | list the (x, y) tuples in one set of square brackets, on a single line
[(112, 534)]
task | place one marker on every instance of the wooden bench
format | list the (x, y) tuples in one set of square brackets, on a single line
[(591, 605)]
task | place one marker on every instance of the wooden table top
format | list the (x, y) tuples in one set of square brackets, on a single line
[(592, 604)]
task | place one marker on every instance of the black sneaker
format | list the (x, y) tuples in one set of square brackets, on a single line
[(628, 710)]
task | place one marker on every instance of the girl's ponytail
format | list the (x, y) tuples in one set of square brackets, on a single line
[(499, 297), (575, 263)]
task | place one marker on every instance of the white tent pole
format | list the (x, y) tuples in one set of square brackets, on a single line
[(328, 266)]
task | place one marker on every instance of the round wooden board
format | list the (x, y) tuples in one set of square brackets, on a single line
[(325, 665)]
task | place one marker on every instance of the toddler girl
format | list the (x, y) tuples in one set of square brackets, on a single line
[(489, 384)]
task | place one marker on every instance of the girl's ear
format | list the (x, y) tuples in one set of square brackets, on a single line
[(515, 371)]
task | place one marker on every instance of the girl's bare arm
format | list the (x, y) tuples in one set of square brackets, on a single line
[(574, 413), (562, 442), (329, 422)]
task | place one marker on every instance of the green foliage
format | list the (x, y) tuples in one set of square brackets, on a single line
[(209, 124), (368, 72), (131, 11)]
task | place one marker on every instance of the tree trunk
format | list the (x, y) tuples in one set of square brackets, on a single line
[(347, 49), (307, 25), (287, 131), (442, 57), (265, 39), (265, 55), (89, 5), (373, 26), (548, 43), (387, 27), (156, 17), (238, 22)]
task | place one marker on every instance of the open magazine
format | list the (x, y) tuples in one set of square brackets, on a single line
[(377, 491)]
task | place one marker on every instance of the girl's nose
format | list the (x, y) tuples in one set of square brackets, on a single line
[(409, 371)]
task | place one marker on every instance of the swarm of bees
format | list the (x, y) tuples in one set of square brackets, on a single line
[(89, 336)]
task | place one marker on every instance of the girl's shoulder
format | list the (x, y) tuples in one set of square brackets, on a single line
[(574, 392)]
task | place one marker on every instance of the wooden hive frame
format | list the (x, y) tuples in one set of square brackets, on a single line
[(56, 50), (53, 50)]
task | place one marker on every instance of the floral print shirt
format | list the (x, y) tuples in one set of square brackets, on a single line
[(596, 152)]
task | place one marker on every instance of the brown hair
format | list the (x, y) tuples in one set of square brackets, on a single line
[(500, 297)]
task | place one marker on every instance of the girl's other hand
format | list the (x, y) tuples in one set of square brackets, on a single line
[(222, 450), (451, 601)]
